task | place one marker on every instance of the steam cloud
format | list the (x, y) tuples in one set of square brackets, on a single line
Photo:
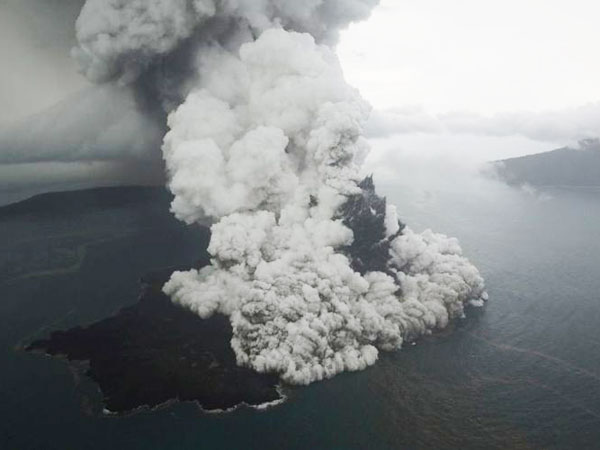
[(268, 142)]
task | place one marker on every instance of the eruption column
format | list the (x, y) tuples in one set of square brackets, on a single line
[(315, 272)]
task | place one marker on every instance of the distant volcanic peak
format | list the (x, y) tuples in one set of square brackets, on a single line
[(562, 167)]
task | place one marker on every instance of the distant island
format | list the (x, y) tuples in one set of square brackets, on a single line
[(563, 167)]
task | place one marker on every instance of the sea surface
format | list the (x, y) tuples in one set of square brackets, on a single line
[(521, 372)]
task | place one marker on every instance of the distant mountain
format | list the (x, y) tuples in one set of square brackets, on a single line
[(80, 201), (562, 167)]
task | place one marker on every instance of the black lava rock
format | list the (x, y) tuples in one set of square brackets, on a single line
[(364, 214)]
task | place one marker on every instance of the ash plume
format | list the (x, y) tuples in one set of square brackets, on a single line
[(314, 270)]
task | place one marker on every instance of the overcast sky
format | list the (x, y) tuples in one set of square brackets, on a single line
[(36, 70), (486, 79), (473, 80), (481, 56)]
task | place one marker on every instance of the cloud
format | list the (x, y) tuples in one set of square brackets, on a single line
[(97, 136), (122, 41), (566, 125), (35, 40), (269, 144), (96, 124)]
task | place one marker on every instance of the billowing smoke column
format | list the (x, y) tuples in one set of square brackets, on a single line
[(315, 271)]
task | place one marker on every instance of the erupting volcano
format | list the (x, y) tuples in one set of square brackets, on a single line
[(313, 269)]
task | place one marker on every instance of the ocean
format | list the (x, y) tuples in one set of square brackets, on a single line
[(521, 372)]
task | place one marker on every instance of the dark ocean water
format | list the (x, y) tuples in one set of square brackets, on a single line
[(522, 372)]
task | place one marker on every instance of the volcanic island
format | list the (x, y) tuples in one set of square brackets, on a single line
[(155, 351)]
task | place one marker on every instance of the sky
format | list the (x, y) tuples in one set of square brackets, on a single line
[(37, 70), (466, 81), (477, 80), (478, 56)]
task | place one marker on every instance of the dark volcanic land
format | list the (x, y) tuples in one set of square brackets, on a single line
[(364, 214), (156, 351)]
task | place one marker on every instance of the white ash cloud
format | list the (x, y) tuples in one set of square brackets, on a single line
[(120, 39), (284, 121), (269, 142), (289, 129)]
